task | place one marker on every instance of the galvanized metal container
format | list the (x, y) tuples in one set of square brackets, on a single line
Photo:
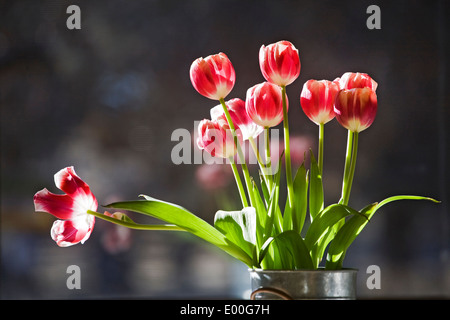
[(303, 284)]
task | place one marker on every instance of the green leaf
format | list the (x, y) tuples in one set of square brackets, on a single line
[(174, 214), (274, 220), (264, 188), (353, 227), (239, 227), (298, 214), (321, 231), (271, 211), (316, 189), (345, 236), (261, 216), (288, 251)]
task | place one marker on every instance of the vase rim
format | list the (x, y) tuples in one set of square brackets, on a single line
[(343, 270)]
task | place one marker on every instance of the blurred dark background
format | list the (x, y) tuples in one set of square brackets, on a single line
[(107, 98)]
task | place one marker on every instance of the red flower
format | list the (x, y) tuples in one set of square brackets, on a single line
[(240, 118), (216, 138), (71, 207), (264, 104), (213, 77), (351, 80), (279, 63), (317, 100), (355, 109)]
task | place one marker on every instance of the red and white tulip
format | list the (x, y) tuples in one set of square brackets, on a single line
[(352, 80), (214, 76), (356, 109), (279, 63), (216, 138), (76, 224), (317, 100), (264, 104)]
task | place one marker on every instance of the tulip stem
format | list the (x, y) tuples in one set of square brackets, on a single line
[(287, 152), (238, 182), (321, 137), (269, 170), (138, 226), (260, 161), (248, 181), (350, 165)]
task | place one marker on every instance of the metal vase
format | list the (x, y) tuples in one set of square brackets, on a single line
[(303, 284)]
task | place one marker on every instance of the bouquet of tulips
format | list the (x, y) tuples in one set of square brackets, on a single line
[(266, 232)]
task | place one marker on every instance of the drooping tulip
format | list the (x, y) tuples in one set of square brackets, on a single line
[(279, 62), (264, 104), (240, 118), (351, 80), (213, 76), (356, 109), (76, 224), (317, 100)]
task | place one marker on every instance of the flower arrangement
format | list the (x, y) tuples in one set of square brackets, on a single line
[(266, 233)]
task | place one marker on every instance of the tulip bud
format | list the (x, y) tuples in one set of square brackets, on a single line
[(317, 100), (264, 104), (350, 80), (216, 138), (213, 77), (240, 118), (355, 109), (279, 63)]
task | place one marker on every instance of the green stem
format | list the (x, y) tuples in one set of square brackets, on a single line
[(287, 152), (320, 156), (348, 159), (351, 173), (269, 169), (138, 226), (248, 181), (260, 161), (239, 182)]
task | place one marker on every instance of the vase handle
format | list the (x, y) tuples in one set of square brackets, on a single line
[(276, 292)]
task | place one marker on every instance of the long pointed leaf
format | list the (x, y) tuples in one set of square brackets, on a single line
[(261, 216), (174, 214), (321, 232), (353, 227), (301, 199)]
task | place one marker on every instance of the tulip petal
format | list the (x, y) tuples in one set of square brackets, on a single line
[(68, 181), (61, 206), (69, 232)]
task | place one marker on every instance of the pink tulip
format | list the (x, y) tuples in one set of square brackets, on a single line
[(279, 63), (213, 76), (351, 80), (264, 104), (71, 207), (240, 118), (317, 100), (355, 109), (216, 138)]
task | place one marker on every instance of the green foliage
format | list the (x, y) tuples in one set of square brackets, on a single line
[(259, 236)]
